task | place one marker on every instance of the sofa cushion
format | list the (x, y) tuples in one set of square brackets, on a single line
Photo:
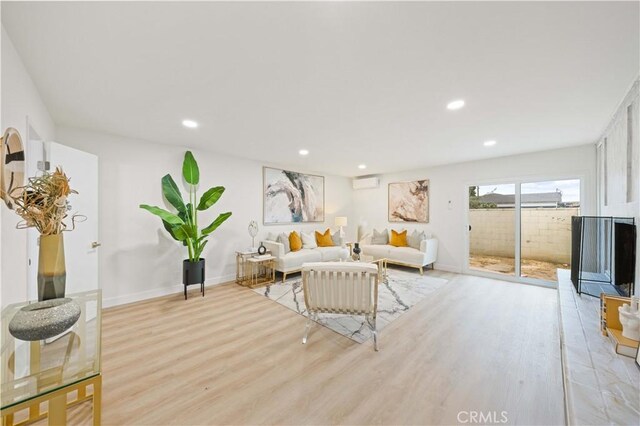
[(376, 250), (295, 241), (308, 240), (415, 238), (337, 241), (295, 259), (284, 240), (407, 255), (380, 238), (324, 240), (332, 253), (271, 237), (398, 239)]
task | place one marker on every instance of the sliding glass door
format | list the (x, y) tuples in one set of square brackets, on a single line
[(522, 229), (492, 225), (545, 237)]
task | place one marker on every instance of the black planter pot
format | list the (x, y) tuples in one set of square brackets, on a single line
[(193, 273)]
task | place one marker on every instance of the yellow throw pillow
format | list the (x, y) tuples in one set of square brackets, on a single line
[(398, 239), (295, 241), (324, 240)]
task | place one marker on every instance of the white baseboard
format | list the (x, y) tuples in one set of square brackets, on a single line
[(159, 292), (447, 268)]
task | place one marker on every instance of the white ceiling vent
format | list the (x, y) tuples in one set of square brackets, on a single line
[(366, 183)]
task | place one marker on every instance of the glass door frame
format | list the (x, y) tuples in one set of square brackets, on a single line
[(518, 182)]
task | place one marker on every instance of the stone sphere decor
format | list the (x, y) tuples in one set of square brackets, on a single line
[(42, 320)]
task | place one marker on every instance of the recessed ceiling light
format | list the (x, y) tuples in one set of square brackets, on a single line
[(489, 143), (190, 124), (303, 152), (362, 166), (457, 104)]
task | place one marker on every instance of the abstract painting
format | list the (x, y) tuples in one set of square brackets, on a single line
[(292, 197), (409, 201)]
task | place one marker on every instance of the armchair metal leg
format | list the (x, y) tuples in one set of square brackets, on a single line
[(284, 276), (307, 328), (374, 331)]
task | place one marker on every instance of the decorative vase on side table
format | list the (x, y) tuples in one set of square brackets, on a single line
[(356, 251), (43, 204), (52, 274)]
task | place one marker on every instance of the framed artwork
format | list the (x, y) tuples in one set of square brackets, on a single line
[(292, 197), (409, 201), (11, 166)]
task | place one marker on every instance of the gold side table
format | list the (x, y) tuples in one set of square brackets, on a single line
[(49, 370), (243, 269), (381, 262), (350, 245), (262, 270)]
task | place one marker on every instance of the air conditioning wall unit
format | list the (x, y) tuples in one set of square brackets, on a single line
[(366, 183)]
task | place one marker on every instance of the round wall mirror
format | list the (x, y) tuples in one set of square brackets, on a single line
[(11, 165)]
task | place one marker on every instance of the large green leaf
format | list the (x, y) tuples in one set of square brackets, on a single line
[(190, 231), (176, 232), (210, 197), (170, 229), (172, 193), (190, 169), (214, 225), (186, 214), (169, 217)]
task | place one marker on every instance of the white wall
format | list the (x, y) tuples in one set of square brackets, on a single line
[(448, 191), (616, 188), (138, 259), (20, 99)]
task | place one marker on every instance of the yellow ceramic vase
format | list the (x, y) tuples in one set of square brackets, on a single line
[(52, 274)]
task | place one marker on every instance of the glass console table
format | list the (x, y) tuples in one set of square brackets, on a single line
[(61, 371)]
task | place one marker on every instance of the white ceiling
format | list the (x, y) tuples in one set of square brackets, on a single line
[(352, 82)]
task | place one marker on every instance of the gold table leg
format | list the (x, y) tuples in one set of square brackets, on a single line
[(97, 401), (7, 420), (58, 410), (58, 404)]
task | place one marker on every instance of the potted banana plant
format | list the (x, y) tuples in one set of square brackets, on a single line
[(183, 225)]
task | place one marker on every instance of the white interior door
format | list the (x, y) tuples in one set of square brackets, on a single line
[(81, 245)]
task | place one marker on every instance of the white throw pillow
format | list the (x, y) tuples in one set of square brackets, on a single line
[(335, 237), (380, 238), (283, 239), (308, 240), (271, 237), (416, 238)]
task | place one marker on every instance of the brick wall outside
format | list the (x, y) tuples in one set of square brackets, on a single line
[(546, 233)]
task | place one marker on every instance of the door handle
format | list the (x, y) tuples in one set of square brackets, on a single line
[(469, 228), (95, 244)]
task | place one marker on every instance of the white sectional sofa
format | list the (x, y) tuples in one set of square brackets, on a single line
[(288, 263), (405, 256)]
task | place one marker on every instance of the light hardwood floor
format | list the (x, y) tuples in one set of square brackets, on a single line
[(234, 357)]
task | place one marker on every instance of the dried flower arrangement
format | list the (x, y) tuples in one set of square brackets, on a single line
[(43, 203)]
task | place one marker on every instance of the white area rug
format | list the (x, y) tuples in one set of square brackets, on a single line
[(402, 290)]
